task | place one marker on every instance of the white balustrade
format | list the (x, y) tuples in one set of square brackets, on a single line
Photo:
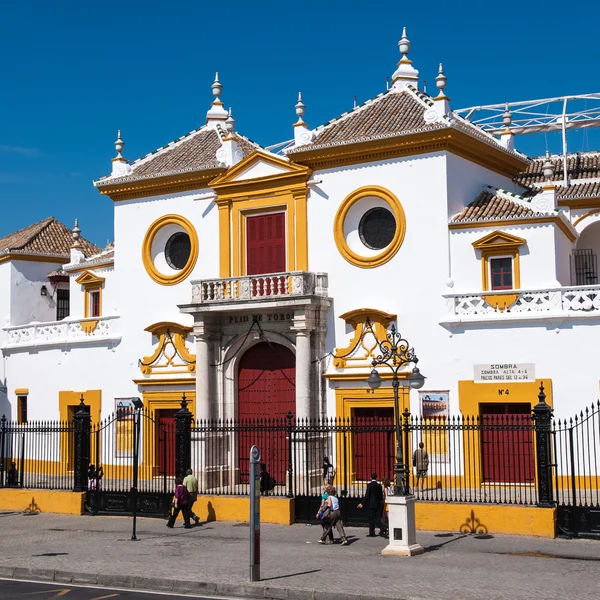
[(259, 287), (582, 299), (65, 332)]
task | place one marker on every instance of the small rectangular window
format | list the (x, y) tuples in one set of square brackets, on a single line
[(501, 274), (94, 300), (62, 304), (22, 410)]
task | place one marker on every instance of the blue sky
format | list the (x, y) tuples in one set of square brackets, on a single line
[(75, 72)]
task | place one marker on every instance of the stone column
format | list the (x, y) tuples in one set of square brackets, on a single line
[(303, 325), (203, 408)]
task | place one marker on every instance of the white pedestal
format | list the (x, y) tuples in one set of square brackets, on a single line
[(402, 527)]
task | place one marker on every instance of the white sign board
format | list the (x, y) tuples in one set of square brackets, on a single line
[(504, 372)]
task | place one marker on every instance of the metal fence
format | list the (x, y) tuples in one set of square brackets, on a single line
[(38, 454)]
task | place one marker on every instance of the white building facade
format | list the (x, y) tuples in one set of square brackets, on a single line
[(256, 282)]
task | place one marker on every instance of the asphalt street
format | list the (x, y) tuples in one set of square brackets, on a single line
[(11, 589)]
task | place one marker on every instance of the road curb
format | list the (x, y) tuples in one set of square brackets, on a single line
[(155, 584)]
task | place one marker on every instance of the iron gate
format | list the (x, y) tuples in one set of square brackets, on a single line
[(114, 444), (577, 474)]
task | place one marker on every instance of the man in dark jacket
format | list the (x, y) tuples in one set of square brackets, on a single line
[(374, 502)]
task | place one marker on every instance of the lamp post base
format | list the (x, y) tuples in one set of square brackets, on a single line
[(402, 527)]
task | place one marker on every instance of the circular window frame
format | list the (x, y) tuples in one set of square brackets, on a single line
[(358, 260), (153, 272)]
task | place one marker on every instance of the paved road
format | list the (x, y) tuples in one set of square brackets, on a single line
[(11, 590)]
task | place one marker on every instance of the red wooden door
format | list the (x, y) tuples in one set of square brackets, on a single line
[(507, 443), (166, 441), (373, 442), (265, 250), (266, 393)]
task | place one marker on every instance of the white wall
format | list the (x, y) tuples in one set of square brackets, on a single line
[(564, 250), (110, 293)]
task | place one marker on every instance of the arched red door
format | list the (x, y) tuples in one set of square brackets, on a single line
[(266, 393)]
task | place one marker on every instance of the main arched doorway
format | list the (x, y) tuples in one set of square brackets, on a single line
[(266, 393)]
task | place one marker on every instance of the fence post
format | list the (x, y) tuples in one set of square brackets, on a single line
[(542, 419), (2, 448), (289, 417), (183, 439), (82, 422), (407, 449)]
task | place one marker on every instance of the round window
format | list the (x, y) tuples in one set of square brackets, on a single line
[(178, 250), (377, 228)]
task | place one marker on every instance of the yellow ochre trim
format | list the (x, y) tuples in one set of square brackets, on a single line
[(224, 240), (31, 502), (22, 392), (89, 326), (177, 336), (91, 283), (498, 244), (580, 202), (165, 381), (152, 271), (32, 258), (585, 216), (485, 519), (368, 262)]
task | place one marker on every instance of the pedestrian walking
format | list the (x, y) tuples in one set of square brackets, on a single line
[(12, 475), (324, 510), (267, 483), (373, 501), (421, 463), (327, 472), (191, 483), (388, 490), (333, 520), (181, 503)]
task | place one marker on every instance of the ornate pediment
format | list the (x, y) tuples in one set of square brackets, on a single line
[(88, 278), (171, 356), (499, 240), (370, 326)]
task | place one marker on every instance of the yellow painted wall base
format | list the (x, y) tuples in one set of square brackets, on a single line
[(486, 519), (42, 501), (237, 508)]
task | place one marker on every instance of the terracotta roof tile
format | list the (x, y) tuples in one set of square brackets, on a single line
[(579, 166), (47, 237), (579, 190), (489, 206), (392, 113)]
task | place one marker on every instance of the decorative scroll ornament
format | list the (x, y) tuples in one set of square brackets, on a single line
[(171, 355), (369, 325)]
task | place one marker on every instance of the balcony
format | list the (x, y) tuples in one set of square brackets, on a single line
[(516, 305), (68, 332), (290, 289)]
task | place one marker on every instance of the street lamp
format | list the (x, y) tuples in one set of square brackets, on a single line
[(137, 405), (395, 353)]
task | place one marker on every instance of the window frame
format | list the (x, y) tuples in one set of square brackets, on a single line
[(499, 244), (509, 257), (22, 408)]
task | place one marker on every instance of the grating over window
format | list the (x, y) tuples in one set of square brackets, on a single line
[(501, 273), (178, 250), (377, 228), (63, 308), (586, 267)]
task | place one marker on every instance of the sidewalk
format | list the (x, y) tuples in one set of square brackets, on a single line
[(213, 559)]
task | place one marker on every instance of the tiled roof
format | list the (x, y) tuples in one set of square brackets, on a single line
[(584, 165), (579, 190), (388, 114), (45, 238), (489, 206), (195, 151)]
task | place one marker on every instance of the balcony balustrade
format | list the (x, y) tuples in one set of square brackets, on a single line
[(275, 286), (69, 331), (559, 302)]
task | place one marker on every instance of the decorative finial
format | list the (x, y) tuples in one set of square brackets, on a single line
[(404, 45), (230, 122), (119, 145), (440, 81), (300, 108), (217, 88), (548, 168), (507, 117), (76, 232)]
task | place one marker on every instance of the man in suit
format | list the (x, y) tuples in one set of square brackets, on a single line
[(374, 502)]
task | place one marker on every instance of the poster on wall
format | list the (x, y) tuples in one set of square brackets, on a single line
[(124, 410), (434, 404), (434, 414)]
